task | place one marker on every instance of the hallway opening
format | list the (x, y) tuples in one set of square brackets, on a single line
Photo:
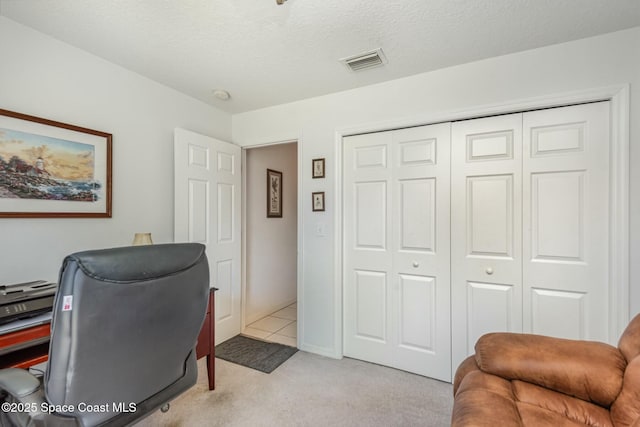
[(271, 243)]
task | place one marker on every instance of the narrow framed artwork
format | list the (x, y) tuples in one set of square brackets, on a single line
[(318, 168), (318, 201), (274, 194), (50, 169)]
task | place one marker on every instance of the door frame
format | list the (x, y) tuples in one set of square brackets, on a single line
[(618, 95), (243, 250)]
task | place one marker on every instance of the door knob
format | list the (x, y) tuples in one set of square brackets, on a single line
[(416, 264), (489, 270)]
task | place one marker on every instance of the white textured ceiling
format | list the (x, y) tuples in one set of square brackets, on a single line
[(265, 54)]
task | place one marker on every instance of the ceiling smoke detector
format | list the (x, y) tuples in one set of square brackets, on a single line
[(364, 61), (221, 94)]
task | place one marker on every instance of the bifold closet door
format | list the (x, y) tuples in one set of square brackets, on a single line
[(486, 233), (530, 197), (396, 247), (565, 214)]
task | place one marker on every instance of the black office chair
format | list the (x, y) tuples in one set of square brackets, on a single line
[(123, 336)]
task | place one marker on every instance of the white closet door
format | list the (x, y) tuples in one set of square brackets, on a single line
[(565, 215), (530, 225), (486, 229), (421, 250), (368, 263), (396, 272)]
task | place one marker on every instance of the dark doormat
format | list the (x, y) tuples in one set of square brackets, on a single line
[(260, 355)]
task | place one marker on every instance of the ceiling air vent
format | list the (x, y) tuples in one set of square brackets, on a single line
[(363, 61)]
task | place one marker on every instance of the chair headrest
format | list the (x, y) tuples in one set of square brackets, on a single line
[(135, 263)]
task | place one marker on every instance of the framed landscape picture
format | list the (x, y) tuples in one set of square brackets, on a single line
[(50, 169), (274, 194)]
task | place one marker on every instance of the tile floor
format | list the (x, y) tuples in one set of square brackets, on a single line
[(280, 327)]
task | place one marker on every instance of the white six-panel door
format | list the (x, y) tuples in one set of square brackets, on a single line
[(565, 215), (510, 222), (530, 225), (486, 232), (396, 245), (207, 210)]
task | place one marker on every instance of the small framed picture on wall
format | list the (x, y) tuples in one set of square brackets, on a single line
[(318, 201), (318, 168), (274, 194)]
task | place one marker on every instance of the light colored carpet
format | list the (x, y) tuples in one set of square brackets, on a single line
[(310, 390)]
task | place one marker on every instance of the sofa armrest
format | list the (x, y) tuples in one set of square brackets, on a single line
[(468, 365), (18, 382), (590, 371)]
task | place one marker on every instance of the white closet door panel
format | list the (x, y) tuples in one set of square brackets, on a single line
[(370, 215), (367, 187), (565, 214), (486, 229), (490, 308), (545, 308), (368, 257), (421, 250), (490, 216), (417, 322), (371, 305), (396, 245), (557, 216), (417, 214)]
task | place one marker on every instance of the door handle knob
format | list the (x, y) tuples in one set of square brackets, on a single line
[(489, 271), (416, 264)]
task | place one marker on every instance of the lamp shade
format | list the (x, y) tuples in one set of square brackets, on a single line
[(142, 239)]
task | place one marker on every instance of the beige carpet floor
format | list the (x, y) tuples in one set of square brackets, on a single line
[(310, 390)]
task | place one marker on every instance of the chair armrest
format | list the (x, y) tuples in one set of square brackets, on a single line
[(588, 370), (18, 386), (18, 382)]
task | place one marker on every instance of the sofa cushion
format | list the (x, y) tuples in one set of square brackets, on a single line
[(532, 415), (482, 399), (574, 409), (588, 370)]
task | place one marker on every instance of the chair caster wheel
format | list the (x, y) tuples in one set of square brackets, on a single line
[(165, 408)]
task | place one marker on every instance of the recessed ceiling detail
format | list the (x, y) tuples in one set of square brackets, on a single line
[(364, 61)]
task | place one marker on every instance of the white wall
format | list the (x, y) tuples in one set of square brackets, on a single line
[(43, 77), (585, 64), (271, 243)]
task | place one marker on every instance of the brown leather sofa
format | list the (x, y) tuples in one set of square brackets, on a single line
[(533, 380)]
